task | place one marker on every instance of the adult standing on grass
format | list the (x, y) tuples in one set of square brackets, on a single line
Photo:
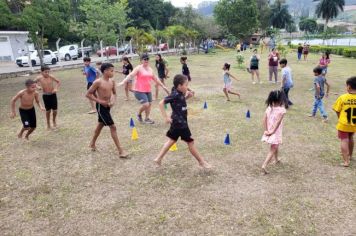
[(144, 74), (305, 51), (254, 62), (91, 75), (162, 71), (299, 51), (273, 59)]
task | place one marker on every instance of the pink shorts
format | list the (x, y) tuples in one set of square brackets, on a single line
[(344, 135), (227, 86)]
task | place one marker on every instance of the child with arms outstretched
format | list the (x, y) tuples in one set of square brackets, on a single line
[(227, 82)]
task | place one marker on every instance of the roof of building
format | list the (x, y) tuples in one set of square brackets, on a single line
[(13, 32)]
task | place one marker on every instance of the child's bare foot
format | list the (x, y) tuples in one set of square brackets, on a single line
[(92, 147), (19, 135), (48, 128), (264, 171), (27, 139), (123, 155), (126, 99), (346, 164), (276, 162), (92, 112), (157, 162), (205, 165), (325, 120), (228, 100), (55, 126)]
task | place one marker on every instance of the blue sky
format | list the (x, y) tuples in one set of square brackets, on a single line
[(183, 3)]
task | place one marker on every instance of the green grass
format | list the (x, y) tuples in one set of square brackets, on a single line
[(54, 185)]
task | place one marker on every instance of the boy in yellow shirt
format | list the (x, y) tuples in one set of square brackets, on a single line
[(345, 108)]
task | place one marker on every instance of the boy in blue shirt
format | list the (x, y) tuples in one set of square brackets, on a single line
[(91, 75), (319, 84)]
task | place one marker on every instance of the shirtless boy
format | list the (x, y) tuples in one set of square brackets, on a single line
[(103, 92), (26, 109), (49, 86)]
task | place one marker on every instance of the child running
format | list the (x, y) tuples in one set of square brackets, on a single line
[(49, 86), (103, 92), (178, 120), (91, 75), (162, 71), (287, 80), (324, 62), (26, 109), (126, 70), (228, 82), (185, 69), (273, 125), (319, 84), (345, 108)]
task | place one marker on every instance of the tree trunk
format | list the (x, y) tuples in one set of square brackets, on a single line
[(326, 24)]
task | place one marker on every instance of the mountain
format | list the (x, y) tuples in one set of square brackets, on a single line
[(206, 8)]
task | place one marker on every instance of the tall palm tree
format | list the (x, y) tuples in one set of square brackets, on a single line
[(280, 16), (329, 9)]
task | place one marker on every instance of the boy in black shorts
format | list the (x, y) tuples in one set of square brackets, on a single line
[(178, 120), (26, 109), (103, 92), (50, 86)]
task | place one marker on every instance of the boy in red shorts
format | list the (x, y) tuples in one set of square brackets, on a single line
[(345, 108)]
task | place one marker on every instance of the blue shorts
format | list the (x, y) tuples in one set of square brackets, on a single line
[(143, 97), (324, 71)]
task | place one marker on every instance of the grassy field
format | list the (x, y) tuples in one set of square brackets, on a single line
[(54, 184)]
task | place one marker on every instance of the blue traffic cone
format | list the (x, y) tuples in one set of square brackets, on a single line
[(248, 115), (132, 123), (205, 105), (227, 140)]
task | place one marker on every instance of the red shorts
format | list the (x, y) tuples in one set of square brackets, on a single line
[(344, 135)]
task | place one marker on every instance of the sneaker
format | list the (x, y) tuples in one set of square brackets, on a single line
[(253, 82), (139, 118), (149, 121)]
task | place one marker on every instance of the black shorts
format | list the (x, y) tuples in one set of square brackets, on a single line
[(89, 85), (253, 67), (104, 115), (184, 134), (28, 117), (50, 101)]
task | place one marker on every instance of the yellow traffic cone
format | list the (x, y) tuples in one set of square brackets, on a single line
[(134, 135), (173, 147)]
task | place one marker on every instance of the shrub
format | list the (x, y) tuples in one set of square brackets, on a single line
[(337, 50), (240, 59)]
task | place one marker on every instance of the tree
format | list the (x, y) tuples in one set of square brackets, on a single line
[(140, 37), (45, 19), (329, 9), (290, 27), (264, 14), (150, 14), (280, 16), (308, 24), (238, 17), (207, 27), (185, 17), (6, 17), (103, 22)]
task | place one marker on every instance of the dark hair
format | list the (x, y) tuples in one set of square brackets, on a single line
[(98, 63), (318, 70), (327, 53), (183, 58), (106, 66), (227, 66), (127, 59), (255, 50), (277, 97), (145, 56), (43, 68), (351, 82), (179, 80), (85, 59), (160, 57), (29, 82), (283, 61)]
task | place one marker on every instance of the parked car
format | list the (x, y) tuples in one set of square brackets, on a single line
[(110, 51), (48, 58), (163, 47), (68, 52)]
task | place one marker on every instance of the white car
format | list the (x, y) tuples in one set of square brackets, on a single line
[(68, 52), (48, 58)]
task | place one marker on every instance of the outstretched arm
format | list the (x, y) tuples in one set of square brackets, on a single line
[(130, 76), (232, 76), (13, 103)]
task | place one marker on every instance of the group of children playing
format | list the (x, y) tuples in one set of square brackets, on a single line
[(102, 94)]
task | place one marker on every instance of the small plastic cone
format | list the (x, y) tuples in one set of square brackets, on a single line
[(134, 135), (173, 148), (132, 123), (205, 105), (248, 114), (227, 139)]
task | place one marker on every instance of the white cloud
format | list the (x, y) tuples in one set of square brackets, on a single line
[(183, 3)]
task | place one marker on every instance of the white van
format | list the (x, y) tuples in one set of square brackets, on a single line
[(68, 52)]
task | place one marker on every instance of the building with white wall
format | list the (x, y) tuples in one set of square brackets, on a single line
[(13, 44)]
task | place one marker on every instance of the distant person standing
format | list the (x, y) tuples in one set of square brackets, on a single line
[(91, 75), (254, 62), (300, 51), (324, 62), (162, 71), (185, 69), (305, 51), (273, 59)]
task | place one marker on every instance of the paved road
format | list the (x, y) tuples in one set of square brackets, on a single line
[(11, 67)]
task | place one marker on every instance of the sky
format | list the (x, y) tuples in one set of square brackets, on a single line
[(183, 3)]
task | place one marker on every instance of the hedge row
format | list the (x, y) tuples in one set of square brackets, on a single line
[(338, 50)]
